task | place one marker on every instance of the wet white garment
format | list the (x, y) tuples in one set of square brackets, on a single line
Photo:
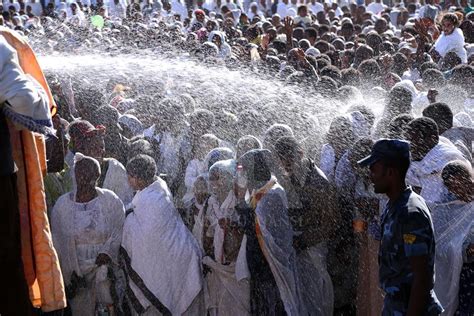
[(194, 169), (452, 43), (179, 8), (427, 172), (316, 7), (215, 213), (282, 10), (81, 231), (226, 295), (328, 162), (116, 180), (36, 8), (277, 247), (317, 290), (452, 224), (376, 8), (162, 251)]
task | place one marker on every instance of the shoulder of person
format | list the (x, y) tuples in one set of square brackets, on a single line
[(415, 208)]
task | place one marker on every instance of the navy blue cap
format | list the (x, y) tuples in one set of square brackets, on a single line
[(392, 149)]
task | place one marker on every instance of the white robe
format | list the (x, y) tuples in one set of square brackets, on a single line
[(427, 172), (452, 43), (80, 232), (162, 251), (452, 224)]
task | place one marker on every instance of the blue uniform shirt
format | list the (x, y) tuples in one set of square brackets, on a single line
[(407, 230)]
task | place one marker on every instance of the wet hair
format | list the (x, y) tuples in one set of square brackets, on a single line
[(450, 60), (366, 112), (257, 164), (322, 63), (399, 100), (458, 170), (451, 17), (322, 46), (142, 167), (424, 127), (369, 70), (428, 65), (433, 78), (397, 126), (248, 142), (139, 147), (332, 72), (462, 75), (274, 132), (350, 76), (399, 63), (312, 32), (287, 147), (440, 113)]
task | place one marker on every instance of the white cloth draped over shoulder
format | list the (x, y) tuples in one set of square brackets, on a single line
[(161, 251), (28, 102), (427, 172), (453, 42), (452, 224), (277, 246), (82, 231)]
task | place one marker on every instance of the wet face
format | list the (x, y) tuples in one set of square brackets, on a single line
[(93, 146), (379, 177), (419, 145), (217, 40), (86, 172), (448, 27), (135, 183)]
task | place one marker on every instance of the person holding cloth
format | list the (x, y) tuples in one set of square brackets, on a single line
[(407, 247)]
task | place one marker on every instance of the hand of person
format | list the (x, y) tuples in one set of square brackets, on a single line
[(288, 22), (300, 55), (102, 259), (265, 41), (432, 94), (224, 222), (239, 191)]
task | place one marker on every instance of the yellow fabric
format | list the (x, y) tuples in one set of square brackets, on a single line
[(41, 264)]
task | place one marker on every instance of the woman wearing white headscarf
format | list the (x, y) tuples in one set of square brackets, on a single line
[(228, 282), (87, 229), (218, 38)]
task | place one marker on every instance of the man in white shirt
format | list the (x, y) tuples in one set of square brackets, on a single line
[(429, 153), (36, 7), (281, 8), (315, 7), (376, 7), (7, 4)]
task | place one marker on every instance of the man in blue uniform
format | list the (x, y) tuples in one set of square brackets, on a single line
[(407, 248)]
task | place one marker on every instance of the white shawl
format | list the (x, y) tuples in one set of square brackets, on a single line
[(452, 223), (277, 247), (162, 251), (427, 172), (452, 43)]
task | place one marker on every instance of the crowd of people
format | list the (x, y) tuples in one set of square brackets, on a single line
[(165, 205)]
